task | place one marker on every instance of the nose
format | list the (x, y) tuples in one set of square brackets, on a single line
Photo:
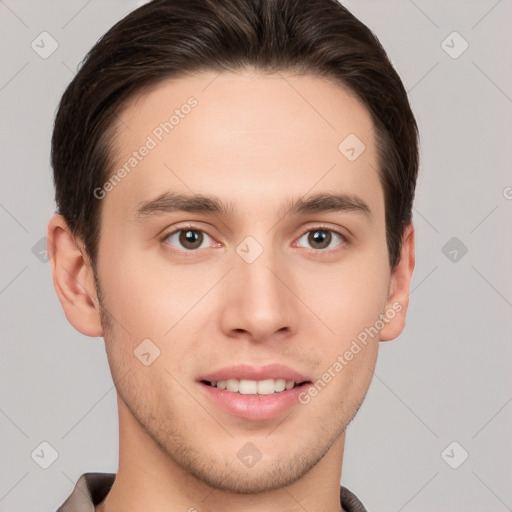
[(258, 301)]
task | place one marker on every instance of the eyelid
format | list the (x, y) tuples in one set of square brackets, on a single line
[(320, 226), (183, 227)]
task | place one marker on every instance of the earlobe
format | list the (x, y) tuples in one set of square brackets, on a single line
[(73, 279), (399, 288)]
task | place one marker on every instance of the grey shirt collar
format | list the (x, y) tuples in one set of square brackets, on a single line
[(92, 488)]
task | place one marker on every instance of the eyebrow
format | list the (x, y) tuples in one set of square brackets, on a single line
[(198, 203)]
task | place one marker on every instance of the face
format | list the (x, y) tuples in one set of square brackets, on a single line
[(267, 282)]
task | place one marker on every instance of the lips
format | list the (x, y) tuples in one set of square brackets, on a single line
[(254, 393)]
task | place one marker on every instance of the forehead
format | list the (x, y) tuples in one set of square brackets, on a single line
[(245, 136)]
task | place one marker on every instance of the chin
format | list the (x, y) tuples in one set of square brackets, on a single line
[(265, 476), (228, 473)]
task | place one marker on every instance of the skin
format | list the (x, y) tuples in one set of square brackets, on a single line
[(256, 140)]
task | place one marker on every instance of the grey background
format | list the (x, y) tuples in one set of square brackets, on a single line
[(446, 379)]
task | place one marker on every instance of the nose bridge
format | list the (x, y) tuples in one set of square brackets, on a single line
[(259, 278), (261, 303)]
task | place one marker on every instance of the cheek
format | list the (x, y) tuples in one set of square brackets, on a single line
[(147, 296), (166, 304), (347, 298)]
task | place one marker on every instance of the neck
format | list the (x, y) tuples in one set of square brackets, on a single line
[(148, 479)]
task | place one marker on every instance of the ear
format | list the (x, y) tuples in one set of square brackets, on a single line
[(399, 289), (73, 279)]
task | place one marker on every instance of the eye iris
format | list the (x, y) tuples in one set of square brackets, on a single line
[(191, 239), (320, 237)]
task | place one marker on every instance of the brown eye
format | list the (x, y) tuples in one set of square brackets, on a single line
[(189, 239), (320, 239)]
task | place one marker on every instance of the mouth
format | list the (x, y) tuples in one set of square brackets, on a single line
[(254, 387), (254, 393)]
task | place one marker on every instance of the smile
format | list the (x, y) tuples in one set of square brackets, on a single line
[(254, 392), (254, 387)]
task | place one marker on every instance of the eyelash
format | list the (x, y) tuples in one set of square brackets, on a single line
[(191, 227)]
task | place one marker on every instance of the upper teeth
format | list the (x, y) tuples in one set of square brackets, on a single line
[(254, 387)]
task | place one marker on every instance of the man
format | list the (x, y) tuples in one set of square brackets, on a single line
[(234, 182)]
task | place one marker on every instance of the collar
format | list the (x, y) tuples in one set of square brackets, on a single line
[(92, 488)]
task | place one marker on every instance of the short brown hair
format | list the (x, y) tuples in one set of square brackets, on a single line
[(170, 38)]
